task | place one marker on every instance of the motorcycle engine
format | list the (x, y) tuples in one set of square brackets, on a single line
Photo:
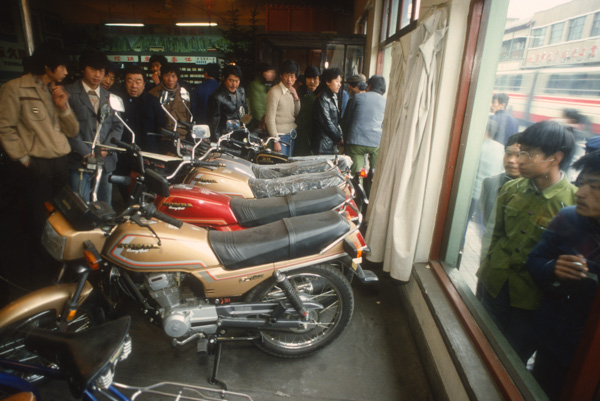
[(182, 312)]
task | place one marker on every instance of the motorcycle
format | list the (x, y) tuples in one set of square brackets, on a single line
[(87, 361), (282, 282)]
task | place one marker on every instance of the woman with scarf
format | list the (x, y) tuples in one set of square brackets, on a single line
[(176, 106)]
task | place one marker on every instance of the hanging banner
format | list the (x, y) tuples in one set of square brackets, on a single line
[(198, 60)]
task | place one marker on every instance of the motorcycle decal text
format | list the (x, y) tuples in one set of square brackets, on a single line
[(205, 181), (138, 248), (251, 278), (177, 205)]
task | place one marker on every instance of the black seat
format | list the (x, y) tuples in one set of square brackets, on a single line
[(81, 355), (268, 188), (256, 212), (266, 171), (286, 239)]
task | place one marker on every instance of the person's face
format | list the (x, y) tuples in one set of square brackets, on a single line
[(588, 195), (134, 84), (109, 80), (312, 83), (269, 75), (496, 106), (232, 82), (335, 84), (169, 80), (288, 79), (58, 74), (92, 76), (353, 90), (534, 163), (511, 161), (155, 67)]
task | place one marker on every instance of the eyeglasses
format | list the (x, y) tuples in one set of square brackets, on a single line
[(530, 155)]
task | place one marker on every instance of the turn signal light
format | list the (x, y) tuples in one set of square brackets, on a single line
[(71, 315), (363, 173), (92, 261), (49, 207)]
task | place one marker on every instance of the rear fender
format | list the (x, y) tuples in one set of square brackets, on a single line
[(48, 298)]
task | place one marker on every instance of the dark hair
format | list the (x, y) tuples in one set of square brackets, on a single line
[(502, 98), (311, 72), (589, 163), (114, 68), (158, 58), (289, 67), (330, 74), (212, 70), (48, 54), (512, 140), (550, 137), (377, 84), (94, 59), (362, 86), (133, 70), (263, 67), (169, 67), (232, 69)]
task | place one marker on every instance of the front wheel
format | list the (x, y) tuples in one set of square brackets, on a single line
[(320, 284)]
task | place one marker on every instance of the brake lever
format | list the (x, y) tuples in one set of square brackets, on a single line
[(137, 218)]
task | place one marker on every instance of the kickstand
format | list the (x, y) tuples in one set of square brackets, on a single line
[(213, 377)]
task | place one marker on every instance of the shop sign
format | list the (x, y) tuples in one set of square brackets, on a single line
[(120, 58), (198, 60), (11, 56), (585, 51)]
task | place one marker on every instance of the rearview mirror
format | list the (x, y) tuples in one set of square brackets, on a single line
[(116, 103), (200, 132), (185, 95)]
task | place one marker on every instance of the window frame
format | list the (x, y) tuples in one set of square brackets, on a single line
[(552, 31), (390, 31), (579, 26)]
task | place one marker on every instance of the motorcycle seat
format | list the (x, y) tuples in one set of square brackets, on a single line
[(290, 238), (268, 188), (256, 212), (267, 171), (81, 355)]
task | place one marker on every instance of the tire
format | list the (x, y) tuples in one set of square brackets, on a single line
[(12, 338), (321, 284)]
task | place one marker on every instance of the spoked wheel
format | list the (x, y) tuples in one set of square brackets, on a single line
[(12, 338), (321, 284)]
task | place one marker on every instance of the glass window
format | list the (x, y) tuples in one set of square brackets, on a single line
[(499, 219), (575, 28), (596, 25), (556, 33), (538, 37), (396, 15)]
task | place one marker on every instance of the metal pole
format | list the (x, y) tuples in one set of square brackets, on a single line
[(26, 19)]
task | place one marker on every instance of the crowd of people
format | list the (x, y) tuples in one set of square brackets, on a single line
[(539, 259)]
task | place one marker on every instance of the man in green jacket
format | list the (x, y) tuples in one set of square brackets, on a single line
[(524, 209), (257, 94)]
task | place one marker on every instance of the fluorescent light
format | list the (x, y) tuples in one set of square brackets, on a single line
[(196, 23), (123, 24)]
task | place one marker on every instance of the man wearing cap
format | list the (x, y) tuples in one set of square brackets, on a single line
[(307, 94), (357, 84), (311, 81)]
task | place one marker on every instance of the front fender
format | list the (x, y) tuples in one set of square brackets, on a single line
[(47, 298)]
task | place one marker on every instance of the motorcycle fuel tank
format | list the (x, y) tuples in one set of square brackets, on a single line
[(222, 180), (136, 248), (199, 206)]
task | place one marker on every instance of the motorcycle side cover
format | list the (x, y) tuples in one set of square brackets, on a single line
[(222, 179)]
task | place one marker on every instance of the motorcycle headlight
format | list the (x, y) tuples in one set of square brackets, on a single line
[(53, 242)]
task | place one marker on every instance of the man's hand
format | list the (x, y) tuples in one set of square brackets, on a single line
[(294, 93), (570, 267), (156, 78), (60, 98), (277, 147)]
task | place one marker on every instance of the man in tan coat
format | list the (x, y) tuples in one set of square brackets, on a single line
[(35, 121)]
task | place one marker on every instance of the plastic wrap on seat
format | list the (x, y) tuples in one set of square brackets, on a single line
[(286, 239), (344, 162), (288, 169), (263, 188)]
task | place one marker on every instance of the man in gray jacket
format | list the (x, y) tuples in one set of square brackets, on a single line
[(87, 98), (362, 123)]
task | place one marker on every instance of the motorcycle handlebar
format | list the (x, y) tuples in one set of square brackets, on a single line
[(169, 133), (129, 146), (119, 180), (199, 163), (186, 125), (166, 218)]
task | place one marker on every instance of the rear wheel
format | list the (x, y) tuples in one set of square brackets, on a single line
[(12, 338), (321, 284)]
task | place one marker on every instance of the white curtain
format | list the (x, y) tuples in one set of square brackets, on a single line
[(406, 189)]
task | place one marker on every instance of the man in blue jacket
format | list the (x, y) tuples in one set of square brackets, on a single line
[(566, 264)]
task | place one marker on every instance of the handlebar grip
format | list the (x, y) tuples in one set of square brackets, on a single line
[(233, 152), (167, 219), (169, 133), (187, 125), (129, 146), (119, 180), (200, 163)]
